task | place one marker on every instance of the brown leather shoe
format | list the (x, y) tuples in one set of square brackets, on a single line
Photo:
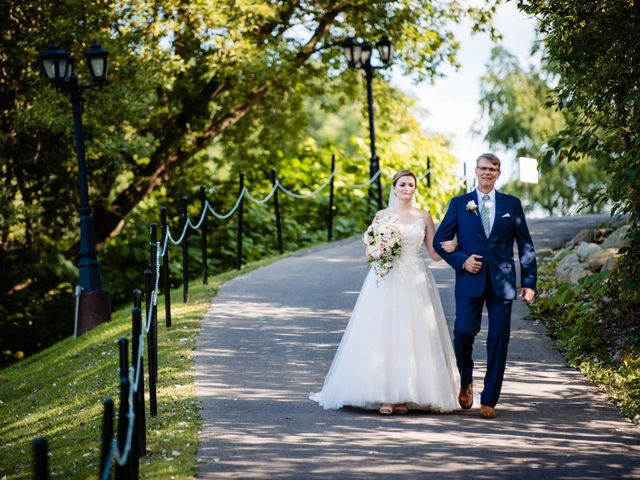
[(487, 411), (465, 397)]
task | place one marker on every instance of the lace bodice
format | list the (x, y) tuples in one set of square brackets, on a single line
[(412, 244)]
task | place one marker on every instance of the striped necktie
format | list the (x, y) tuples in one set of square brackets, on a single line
[(485, 215)]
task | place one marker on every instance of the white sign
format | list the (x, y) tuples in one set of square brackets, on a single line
[(528, 170)]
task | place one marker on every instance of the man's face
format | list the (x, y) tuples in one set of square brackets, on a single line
[(487, 174)]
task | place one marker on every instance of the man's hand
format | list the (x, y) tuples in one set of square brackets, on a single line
[(527, 294), (473, 264), (449, 245)]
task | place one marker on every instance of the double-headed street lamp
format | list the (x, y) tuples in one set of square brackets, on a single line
[(359, 56), (92, 303)]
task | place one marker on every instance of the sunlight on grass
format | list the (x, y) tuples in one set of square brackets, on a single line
[(58, 394)]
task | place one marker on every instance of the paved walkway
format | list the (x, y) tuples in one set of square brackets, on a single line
[(269, 339)]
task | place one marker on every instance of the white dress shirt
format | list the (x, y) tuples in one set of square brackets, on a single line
[(492, 205)]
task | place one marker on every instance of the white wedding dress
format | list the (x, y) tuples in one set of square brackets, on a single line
[(396, 347)]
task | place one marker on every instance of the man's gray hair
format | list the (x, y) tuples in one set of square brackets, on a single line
[(489, 156)]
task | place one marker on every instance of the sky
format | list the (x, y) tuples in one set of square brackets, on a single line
[(451, 104)]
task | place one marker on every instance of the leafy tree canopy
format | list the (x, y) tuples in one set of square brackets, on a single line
[(199, 91), (182, 73), (518, 106), (593, 47)]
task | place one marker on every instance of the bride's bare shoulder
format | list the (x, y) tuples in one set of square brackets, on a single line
[(426, 216), (382, 213)]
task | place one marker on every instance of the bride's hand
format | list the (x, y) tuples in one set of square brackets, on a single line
[(449, 246)]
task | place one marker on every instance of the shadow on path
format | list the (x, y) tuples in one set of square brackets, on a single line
[(269, 339)]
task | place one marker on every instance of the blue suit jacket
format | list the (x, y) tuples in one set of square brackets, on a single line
[(497, 251)]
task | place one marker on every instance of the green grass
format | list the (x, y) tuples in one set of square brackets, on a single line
[(58, 394)]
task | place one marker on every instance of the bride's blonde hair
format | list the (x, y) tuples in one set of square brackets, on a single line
[(403, 173)]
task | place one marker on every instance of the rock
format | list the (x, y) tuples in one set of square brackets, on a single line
[(599, 234), (586, 250), (585, 235), (611, 261), (598, 261), (617, 238), (577, 272), (565, 265)]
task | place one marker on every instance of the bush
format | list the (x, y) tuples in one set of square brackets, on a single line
[(594, 324)]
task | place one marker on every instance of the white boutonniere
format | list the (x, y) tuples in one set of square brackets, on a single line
[(472, 207)]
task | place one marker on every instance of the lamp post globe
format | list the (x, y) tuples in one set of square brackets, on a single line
[(98, 62), (56, 62), (365, 54), (385, 50), (352, 49)]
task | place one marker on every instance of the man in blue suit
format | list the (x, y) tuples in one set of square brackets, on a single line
[(486, 223)]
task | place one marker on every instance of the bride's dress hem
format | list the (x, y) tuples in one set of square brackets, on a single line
[(375, 405)]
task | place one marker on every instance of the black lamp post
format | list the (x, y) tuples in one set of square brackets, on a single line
[(93, 305), (359, 56)]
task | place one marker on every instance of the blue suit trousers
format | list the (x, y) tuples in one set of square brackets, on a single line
[(467, 326)]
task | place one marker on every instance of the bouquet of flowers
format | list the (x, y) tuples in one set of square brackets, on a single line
[(383, 243)]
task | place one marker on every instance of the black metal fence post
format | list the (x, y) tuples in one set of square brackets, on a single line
[(135, 438), (205, 260), (153, 249), (153, 266), (240, 225), (107, 435), (40, 460), (276, 207), (124, 357), (185, 251), (429, 172), (153, 315), (137, 298), (148, 279), (123, 471), (378, 183), (152, 344), (138, 406), (466, 183), (165, 266), (330, 212)]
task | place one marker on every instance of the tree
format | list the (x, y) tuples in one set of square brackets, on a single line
[(193, 86), (518, 106), (182, 73), (594, 49)]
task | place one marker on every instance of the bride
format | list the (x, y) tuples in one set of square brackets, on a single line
[(396, 352)]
